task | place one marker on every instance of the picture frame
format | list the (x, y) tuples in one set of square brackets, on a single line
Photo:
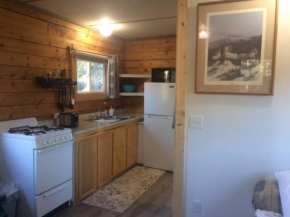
[(236, 47)]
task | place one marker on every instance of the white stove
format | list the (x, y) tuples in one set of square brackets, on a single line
[(42, 135), (39, 159)]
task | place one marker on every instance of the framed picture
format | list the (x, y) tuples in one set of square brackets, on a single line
[(236, 43)]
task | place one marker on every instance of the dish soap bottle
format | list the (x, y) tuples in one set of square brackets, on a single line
[(111, 111)]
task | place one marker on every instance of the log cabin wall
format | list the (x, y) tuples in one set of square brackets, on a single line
[(140, 57), (34, 44)]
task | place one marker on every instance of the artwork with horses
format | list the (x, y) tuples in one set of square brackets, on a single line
[(235, 47)]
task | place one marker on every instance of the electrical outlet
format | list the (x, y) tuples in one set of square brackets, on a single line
[(196, 206)]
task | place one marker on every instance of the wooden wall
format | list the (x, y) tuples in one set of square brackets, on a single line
[(33, 44), (140, 57)]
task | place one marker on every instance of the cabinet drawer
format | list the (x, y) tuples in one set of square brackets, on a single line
[(53, 198)]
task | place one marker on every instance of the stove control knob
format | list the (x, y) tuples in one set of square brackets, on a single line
[(50, 141), (68, 136), (57, 139), (44, 142), (63, 138)]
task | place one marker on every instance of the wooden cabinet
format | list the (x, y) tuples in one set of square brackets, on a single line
[(87, 164), (105, 154), (119, 150), (102, 155), (132, 144)]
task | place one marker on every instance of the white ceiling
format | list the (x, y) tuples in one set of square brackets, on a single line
[(88, 12)]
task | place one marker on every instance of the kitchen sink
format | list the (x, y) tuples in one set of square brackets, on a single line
[(110, 119), (107, 120)]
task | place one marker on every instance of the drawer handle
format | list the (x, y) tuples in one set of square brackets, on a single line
[(160, 117), (55, 190)]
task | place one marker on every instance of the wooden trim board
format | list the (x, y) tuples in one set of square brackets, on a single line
[(181, 88)]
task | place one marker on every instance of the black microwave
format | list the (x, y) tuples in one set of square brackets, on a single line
[(164, 75)]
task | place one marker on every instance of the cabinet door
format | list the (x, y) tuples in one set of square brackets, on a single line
[(105, 154), (87, 166), (132, 145), (119, 150)]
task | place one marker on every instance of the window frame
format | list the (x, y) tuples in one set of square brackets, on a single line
[(105, 83), (91, 95)]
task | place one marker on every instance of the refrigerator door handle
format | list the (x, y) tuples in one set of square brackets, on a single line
[(173, 121), (160, 117)]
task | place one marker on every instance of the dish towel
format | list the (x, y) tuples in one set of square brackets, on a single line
[(260, 213)]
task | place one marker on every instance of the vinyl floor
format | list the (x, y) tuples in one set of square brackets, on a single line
[(155, 202)]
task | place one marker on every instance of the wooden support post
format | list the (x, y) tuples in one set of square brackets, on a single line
[(181, 88)]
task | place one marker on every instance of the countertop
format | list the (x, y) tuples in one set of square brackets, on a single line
[(86, 127)]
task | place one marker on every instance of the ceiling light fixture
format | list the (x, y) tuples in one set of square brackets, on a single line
[(106, 29)]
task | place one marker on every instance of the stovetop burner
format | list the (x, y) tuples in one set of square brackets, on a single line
[(34, 130)]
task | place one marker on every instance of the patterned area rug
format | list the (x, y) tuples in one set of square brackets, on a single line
[(125, 190)]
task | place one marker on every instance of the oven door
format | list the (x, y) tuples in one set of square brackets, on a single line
[(52, 166)]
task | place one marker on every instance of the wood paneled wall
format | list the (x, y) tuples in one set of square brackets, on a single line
[(140, 57), (34, 44)]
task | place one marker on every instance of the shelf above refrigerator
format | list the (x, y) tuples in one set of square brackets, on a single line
[(134, 76), (131, 94)]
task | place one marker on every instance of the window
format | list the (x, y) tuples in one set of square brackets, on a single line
[(91, 76), (91, 73)]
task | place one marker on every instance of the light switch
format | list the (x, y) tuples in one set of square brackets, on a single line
[(196, 122)]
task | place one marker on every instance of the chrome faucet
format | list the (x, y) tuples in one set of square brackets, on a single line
[(99, 114)]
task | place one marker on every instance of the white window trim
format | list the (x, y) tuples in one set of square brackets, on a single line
[(87, 96), (88, 68)]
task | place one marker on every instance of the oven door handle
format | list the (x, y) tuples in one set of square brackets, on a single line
[(54, 147), (55, 190)]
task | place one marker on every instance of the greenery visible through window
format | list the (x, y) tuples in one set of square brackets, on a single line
[(90, 76)]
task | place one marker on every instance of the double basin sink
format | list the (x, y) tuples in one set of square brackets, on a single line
[(110, 119)]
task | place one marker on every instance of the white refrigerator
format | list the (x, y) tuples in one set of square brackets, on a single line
[(159, 125)]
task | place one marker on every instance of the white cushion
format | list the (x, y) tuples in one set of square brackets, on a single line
[(284, 188), (263, 213)]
